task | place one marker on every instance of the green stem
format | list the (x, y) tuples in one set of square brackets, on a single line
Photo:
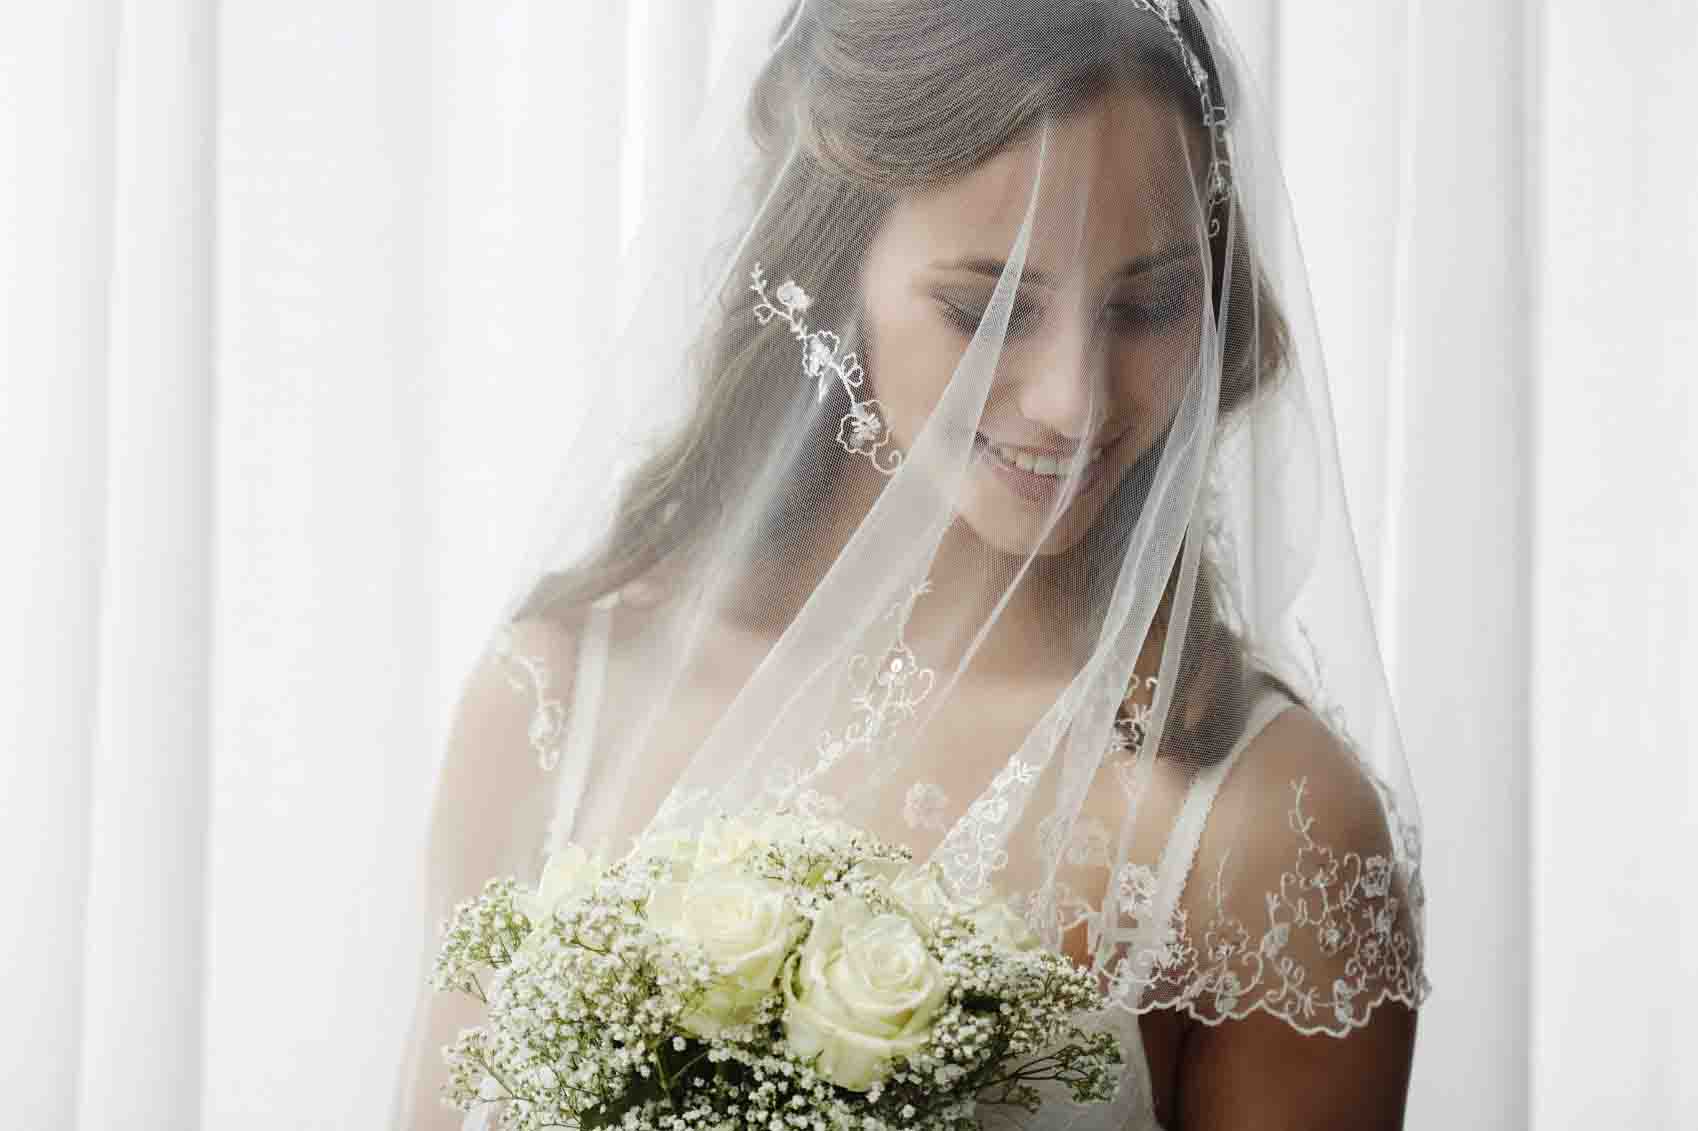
[(1025, 1073)]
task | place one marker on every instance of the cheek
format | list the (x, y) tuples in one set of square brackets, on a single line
[(1149, 381), (910, 358)]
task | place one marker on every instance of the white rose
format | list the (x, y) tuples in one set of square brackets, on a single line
[(569, 875), (862, 991), (724, 841), (921, 893), (674, 849), (1002, 925), (746, 926)]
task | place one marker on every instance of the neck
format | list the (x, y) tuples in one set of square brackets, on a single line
[(1027, 636)]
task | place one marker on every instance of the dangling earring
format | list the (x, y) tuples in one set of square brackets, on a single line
[(862, 430)]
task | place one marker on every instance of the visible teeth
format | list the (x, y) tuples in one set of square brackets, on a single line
[(1040, 465)]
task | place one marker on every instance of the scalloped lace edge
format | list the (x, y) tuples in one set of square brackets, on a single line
[(1214, 1019)]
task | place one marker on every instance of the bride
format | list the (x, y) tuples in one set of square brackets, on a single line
[(962, 467)]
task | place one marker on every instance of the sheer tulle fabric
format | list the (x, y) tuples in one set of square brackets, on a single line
[(961, 466)]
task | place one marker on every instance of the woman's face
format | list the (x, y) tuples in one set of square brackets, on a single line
[(1104, 330)]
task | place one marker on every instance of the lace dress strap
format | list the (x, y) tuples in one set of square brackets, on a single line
[(587, 680), (1174, 869)]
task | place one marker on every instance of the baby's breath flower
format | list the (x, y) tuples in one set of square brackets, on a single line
[(587, 1002)]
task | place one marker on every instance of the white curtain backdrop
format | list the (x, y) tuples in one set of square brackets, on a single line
[(290, 294)]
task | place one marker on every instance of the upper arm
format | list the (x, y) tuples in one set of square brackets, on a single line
[(1306, 952), (1258, 1071), (492, 795), (491, 801)]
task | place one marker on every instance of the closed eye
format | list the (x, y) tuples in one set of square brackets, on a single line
[(1021, 319), (1143, 315), (1157, 312), (1167, 305)]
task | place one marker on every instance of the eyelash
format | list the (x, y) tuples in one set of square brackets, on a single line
[(1139, 316)]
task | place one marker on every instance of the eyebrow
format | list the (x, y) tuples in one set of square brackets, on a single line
[(993, 268)]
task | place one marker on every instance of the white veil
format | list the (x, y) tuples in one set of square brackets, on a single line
[(961, 466)]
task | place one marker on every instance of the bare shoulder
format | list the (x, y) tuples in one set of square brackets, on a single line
[(511, 713), (1299, 773), (1302, 864), (536, 649), (1296, 876), (526, 669), (1298, 849)]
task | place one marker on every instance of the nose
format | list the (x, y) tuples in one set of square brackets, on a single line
[(1066, 388)]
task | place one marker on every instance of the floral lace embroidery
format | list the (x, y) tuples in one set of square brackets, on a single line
[(1135, 890), (972, 850), (1132, 724), (888, 694), (1404, 832), (1344, 902), (924, 807), (1091, 844), (814, 805), (547, 730), (1053, 917), (862, 430), (1087, 847)]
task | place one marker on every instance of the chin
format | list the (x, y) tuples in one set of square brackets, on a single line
[(1022, 547), (998, 536), (1013, 527)]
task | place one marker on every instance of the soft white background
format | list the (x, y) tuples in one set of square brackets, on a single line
[(286, 327)]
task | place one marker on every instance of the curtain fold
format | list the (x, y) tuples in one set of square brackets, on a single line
[(142, 942), (57, 79), (1460, 427), (325, 532), (289, 341)]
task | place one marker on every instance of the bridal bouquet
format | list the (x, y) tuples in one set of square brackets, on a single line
[(778, 972)]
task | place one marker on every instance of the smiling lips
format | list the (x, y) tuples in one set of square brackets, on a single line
[(1046, 463)]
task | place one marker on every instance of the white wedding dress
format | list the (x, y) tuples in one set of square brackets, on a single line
[(582, 721)]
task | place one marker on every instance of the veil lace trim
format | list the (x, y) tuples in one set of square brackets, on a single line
[(862, 431), (1341, 903)]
